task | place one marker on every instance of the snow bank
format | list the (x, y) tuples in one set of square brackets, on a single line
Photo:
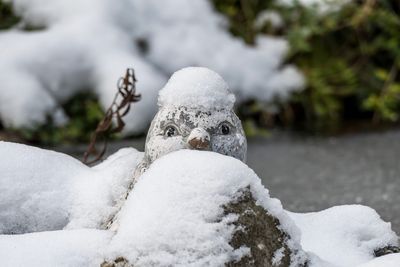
[(43, 190), (174, 214), (88, 44), (77, 248), (344, 235), (197, 88)]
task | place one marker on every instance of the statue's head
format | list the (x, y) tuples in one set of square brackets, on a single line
[(195, 112)]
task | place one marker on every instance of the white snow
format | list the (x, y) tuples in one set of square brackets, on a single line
[(268, 16), (88, 44), (322, 6), (344, 235), (174, 214), (278, 256), (44, 190), (391, 260), (197, 88), (76, 248)]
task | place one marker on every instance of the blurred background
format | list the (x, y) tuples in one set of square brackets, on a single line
[(317, 83)]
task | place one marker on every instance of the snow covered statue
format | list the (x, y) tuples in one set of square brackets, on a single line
[(173, 205)]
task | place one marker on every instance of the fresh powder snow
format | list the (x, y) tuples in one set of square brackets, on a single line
[(197, 88), (42, 190), (173, 215), (344, 235), (75, 248)]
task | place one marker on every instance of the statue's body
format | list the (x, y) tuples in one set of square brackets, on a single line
[(195, 112)]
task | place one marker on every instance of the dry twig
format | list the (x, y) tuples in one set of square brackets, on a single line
[(112, 121)]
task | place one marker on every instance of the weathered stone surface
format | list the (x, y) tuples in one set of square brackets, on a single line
[(118, 262), (259, 231), (386, 250)]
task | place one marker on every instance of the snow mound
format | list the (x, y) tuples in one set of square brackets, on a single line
[(44, 190), (174, 214), (196, 87), (88, 44), (77, 248), (350, 233)]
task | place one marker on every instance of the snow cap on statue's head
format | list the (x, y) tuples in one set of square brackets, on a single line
[(197, 88)]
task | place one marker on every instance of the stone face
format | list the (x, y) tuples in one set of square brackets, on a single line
[(259, 231), (175, 128)]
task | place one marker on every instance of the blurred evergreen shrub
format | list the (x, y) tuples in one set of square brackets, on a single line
[(7, 17), (84, 112), (350, 57)]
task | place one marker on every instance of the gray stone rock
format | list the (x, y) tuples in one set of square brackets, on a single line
[(256, 229), (261, 232)]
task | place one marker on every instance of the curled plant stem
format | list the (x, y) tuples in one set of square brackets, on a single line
[(112, 121)]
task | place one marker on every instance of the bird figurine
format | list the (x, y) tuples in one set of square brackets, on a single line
[(195, 112)]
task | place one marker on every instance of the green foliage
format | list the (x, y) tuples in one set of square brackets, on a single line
[(7, 17), (241, 15), (84, 112), (350, 57)]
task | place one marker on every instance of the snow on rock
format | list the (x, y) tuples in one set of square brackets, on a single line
[(75, 248), (88, 44), (344, 235), (96, 197), (174, 215), (43, 190), (391, 260), (190, 208), (196, 87)]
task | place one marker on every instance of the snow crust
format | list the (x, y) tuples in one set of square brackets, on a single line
[(197, 88), (174, 214), (88, 44), (43, 190), (344, 235)]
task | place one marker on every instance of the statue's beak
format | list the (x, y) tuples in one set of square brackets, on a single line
[(199, 139)]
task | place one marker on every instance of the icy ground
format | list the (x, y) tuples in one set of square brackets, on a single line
[(361, 169)]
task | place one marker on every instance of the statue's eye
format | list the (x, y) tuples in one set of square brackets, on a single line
[(170, 131), (225, 129)]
